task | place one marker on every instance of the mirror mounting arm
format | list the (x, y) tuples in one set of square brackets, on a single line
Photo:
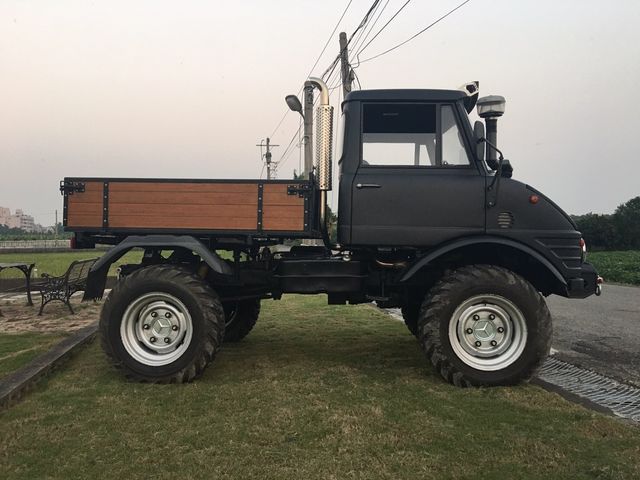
[(494, 186)]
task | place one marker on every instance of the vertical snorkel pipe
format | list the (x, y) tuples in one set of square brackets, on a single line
[(490, 109), (324, 151)]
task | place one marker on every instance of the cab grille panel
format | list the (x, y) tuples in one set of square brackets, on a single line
[(566, 249)]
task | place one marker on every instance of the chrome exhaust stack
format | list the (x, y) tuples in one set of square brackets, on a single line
[(324, 145)]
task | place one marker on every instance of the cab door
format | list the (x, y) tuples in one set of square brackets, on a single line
[(417, 184)]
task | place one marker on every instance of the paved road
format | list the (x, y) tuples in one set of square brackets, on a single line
[(600, 333)]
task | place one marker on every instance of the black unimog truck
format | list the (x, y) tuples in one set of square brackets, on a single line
[(429, 220)]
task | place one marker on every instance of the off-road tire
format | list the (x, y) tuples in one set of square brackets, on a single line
[(204, 307), (241, 317), (465, 283)]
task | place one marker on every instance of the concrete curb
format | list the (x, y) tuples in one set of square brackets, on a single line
[(16, 385)]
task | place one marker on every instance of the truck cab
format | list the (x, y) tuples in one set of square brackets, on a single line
[(413, 176)]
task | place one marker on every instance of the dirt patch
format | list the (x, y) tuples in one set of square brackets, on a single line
[(18, 317)]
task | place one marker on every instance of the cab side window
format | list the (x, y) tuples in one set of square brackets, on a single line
[(406, 134), (453, 151)]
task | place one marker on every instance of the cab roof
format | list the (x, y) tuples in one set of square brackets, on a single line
[(406, 95)]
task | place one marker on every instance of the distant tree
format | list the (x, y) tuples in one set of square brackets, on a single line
[(7, 233), (332, 225), (599, 231), (626, 219), (299, 176)]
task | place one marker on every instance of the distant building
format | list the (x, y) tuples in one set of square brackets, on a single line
[(17, 220)]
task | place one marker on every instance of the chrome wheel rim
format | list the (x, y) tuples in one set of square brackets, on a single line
[(488, 332), (156, 329)]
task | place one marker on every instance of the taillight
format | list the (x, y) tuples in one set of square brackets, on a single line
[(583, 246)]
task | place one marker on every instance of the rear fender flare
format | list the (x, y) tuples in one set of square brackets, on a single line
[(97, 278)]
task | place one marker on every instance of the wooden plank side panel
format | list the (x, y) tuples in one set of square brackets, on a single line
[(181, 210), (84, 209), (186, 205), (183, 198), (282, 212), (182, 187), (192, 223), (199, 206)]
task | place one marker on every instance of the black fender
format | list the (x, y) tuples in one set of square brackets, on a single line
[(411, 270), (97, 277)]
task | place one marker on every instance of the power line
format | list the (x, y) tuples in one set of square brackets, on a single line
[(363, 22), (361, 32), (360, 41), (357, 79), (327, 74), (287, 150), (329, 40), (385, 26), (316, 62), (419, 33)]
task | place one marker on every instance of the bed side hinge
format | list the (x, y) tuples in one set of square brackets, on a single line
[(299, 189), (68, 187)]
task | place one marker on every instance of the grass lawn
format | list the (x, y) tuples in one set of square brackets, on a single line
[(622, 267), (18, 349), (315, 391), (56, 263)]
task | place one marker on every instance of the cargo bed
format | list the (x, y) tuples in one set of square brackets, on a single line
[(124, 206)]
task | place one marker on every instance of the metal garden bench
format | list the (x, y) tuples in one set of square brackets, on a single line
[(61, 288)]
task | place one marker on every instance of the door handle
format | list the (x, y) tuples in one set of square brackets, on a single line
[(368, 185)]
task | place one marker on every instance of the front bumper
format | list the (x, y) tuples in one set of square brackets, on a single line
[(587, 284)]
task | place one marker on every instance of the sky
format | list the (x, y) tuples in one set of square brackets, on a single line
[(151, 88)]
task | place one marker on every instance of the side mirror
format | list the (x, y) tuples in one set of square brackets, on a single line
[(478, 134), (294, 104)]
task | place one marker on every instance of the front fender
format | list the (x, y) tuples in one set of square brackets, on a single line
[(97, 277), (414, 268)]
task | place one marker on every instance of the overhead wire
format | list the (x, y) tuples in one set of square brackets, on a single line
[(344, 12), (369, 29), (385, 25), (363, 22), (415, 35), (357, 39), (289, 150), (327, 74)]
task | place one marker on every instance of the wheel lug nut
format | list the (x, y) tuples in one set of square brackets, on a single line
[(154, 314), (500, 329), (174, 328), (469, 331), (492, 317), (167, 340), (146, 326), (476, 317), (153, 339), (478, 344), (167, 315), (493, 343)]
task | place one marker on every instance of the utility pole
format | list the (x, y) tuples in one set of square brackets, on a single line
[(267, 156), (308, 128), (347, 76)]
